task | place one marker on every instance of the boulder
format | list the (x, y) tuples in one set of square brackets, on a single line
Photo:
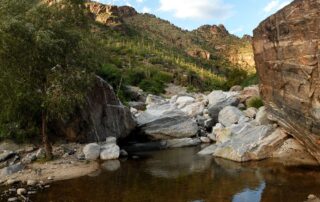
[(5, 155), (11, 169), (249, 92), (194, 109), (166, 122), (110, 152), (286, 49), (230, 115), (251, 112), (218, 100), (184, 142), (254, 143), (102, 116), (183, 101), (236, 88), (92, 151), (111, 140)]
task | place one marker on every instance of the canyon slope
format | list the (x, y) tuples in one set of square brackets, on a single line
[(286, 48)]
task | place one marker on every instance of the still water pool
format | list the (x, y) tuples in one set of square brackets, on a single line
[(180, 175)]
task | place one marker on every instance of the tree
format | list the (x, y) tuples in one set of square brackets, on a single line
[(47, 64)]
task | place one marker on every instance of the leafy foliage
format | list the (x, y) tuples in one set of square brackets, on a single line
[(255, 102), (47, 62)]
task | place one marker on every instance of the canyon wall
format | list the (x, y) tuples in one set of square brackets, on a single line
[(286, 48)]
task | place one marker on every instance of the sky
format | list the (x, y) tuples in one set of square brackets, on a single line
[(239, 16)]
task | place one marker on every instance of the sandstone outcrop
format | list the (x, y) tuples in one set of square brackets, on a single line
[(286, 48)]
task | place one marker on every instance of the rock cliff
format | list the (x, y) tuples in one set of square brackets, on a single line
[(102, 116), (286, 48)]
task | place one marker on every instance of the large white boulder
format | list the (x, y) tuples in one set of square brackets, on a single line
[(230, 115), (165, 121), (109, 152), (91, 151)]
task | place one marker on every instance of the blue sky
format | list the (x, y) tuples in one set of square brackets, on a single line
[(239, 16)]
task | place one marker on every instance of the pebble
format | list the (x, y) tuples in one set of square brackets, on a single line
[(50, 178), (31, 192), (31, 182), (12, 199), (12, 190), (47, 186), (21, 191)]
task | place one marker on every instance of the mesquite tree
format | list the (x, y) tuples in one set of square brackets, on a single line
[(47, 64)]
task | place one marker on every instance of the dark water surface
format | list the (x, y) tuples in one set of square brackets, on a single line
[(181, 176)]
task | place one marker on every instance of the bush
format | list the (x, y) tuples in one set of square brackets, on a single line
[(255, 102)]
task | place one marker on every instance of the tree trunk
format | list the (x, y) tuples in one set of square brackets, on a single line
[(45, 139)]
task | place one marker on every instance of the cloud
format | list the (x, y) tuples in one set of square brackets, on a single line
[(146, 10), (139, 1), (197, 9), (275, 5)]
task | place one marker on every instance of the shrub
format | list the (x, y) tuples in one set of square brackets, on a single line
[(255, 102)]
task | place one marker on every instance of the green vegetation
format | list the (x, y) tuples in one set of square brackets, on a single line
[(255, 102), (49, 56), (47, 64)]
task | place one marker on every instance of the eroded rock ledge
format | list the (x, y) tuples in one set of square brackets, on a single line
[(286, 48)]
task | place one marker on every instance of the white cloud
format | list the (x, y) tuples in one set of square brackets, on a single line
[(197, 9), (275, 5), (146, 10), (139, 1)]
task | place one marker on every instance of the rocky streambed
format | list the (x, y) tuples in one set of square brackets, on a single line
[(223, 123)]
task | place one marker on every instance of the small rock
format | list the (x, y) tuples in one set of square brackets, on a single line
[(13, 190), (111, 140), (123, 153), (205, 140), (209, 123), (31, 192), (31, 182), (236, 88), (50, 178), (251, 112), (12, 199), (47, 186), (312, 197), (21, 191)]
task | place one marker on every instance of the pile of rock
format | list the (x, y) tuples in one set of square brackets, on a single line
[(239, 132), (108, 151)]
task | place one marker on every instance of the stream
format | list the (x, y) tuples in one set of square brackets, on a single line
[(180, 175)]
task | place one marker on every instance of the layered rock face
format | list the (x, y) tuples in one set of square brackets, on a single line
[(286, 48), (102, 116), (109, 14)]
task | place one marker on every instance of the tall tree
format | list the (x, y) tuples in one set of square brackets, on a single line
[(47, 64)]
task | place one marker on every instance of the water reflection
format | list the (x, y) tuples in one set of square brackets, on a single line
[(182, 176), (249, 195), (178, 163)]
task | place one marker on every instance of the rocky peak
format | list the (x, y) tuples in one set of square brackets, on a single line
[(110, 14), (215, 30)]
